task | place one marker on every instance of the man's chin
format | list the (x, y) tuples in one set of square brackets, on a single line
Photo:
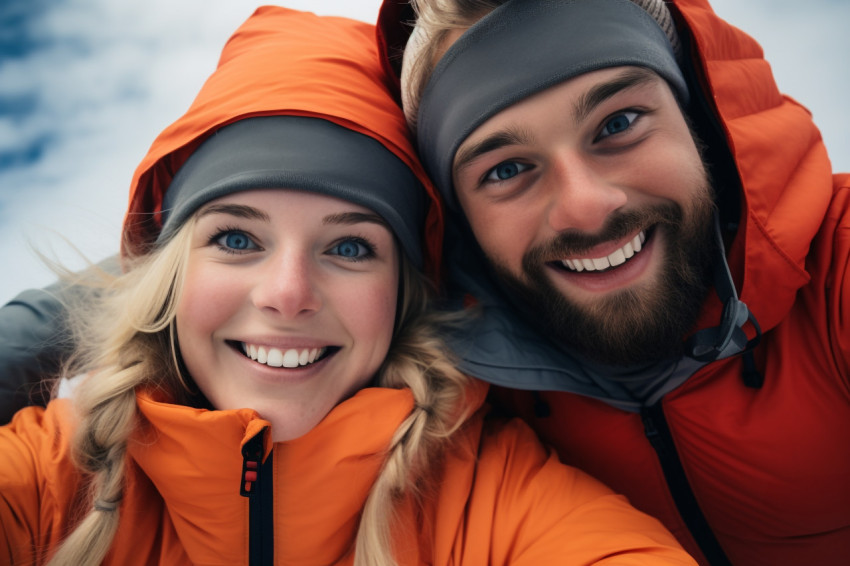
[(637, 325), (624, 328)]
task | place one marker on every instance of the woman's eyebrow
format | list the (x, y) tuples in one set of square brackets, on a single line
[(238, 210), (355, 218)]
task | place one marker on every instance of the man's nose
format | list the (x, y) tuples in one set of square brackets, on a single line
[(581, 197), (288, 286)]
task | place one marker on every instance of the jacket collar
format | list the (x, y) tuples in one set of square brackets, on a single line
[(193, 459)]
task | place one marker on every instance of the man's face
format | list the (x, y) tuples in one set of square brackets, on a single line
[(592, 203)]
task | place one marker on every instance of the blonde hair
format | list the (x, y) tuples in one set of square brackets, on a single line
[(128, 343), (435, 19), (418, 361)]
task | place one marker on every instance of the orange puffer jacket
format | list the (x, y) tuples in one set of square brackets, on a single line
[(498, 497)]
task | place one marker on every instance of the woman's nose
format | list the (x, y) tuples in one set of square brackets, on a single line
[(287, 286)]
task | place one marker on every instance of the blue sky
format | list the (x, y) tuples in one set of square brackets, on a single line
[(86, 85)]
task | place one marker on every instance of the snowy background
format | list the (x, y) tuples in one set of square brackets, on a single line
[(86, 85)]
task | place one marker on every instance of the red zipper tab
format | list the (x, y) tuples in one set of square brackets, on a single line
[(252, 455)]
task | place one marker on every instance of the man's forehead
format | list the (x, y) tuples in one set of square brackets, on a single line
[(578, 96)]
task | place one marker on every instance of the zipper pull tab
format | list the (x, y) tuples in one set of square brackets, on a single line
[(252, 456), (650, 429)]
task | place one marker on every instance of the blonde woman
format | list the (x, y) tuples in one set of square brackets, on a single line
[(262, 384)]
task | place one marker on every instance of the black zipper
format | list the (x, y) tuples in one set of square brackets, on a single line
[(658, 432), (257, 484)]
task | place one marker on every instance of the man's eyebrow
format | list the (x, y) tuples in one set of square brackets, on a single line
[(495, 141), (628, 79), (355, 218), (239, 210)]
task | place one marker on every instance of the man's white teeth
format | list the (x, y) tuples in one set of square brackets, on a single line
[(617, 257), (291, 358)]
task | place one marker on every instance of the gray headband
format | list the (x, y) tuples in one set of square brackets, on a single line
[(310, 154), (521, 48)]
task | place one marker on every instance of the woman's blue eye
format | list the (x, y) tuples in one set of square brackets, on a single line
[(238, 241), (351, 249), (619, 123), (505, 170)]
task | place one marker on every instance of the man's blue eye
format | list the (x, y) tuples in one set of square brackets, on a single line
[(506, 170), (236, 241), (619, 123)]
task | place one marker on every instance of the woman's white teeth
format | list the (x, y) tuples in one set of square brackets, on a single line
[(291, 358), (617, 257)]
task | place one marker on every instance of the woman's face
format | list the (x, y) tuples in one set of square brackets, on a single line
[(288, 304)]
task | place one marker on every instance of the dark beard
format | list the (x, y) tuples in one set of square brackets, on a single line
[(635, 326)]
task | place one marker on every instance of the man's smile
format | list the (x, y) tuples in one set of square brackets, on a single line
[(615, 258)]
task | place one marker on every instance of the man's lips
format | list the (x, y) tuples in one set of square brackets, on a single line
[(613, 259)]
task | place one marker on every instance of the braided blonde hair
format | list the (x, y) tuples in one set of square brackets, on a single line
[(436, 19), (417, 361), (128, 342)]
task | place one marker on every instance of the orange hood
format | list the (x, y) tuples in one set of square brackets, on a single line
[(328, 68), (786, 180)]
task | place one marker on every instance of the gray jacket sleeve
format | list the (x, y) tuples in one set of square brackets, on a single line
[(34, 342), (32, 346)]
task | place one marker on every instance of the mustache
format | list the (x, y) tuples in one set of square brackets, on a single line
[(618, 226)]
